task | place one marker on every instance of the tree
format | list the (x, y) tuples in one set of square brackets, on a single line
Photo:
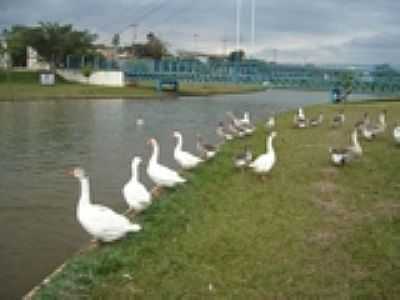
[(17, 41), (116, 40), (154, 47), (237, 55), (3, 49), (52, 41), (346, 81), (87, 71)]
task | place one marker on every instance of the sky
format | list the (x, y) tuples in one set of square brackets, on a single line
[(300, 31)]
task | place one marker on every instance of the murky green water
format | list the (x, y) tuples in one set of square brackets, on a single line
[(40, 140)]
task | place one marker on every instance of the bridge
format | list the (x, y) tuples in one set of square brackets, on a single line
[(171, 71)]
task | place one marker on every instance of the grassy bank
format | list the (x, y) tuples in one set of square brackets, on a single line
[(206, 89), (25, 86), (309, 230)]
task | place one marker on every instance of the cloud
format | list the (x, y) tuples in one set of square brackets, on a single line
[(319, 31)]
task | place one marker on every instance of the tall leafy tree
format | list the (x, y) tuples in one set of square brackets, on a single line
[(17, 38), (154, 47), (237, 55), (52, 41)]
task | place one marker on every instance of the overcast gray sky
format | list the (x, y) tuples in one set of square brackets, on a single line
[(322, 31)]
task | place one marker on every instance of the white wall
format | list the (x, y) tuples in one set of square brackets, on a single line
[(34, 61), (108, 78)]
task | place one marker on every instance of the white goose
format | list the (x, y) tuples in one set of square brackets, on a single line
[(300, 114), (264, 163), (100, 221), (299, 119), (317, 120), (245, 120), (270, 123), (161, 175), (139, 121), (236, 122), (355, 146), (396, 134), (185, 159), (339, 157), (135, 193), (381, 126), (370, 130)]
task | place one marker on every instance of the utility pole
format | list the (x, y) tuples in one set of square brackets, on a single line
[(195, 46), (275, 55), (224, 41), (238, 12), (253, 27), (134, 27)]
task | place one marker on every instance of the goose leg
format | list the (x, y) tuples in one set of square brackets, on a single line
[(156, 191), (131, 211)]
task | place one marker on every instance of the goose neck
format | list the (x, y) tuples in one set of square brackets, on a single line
[(134, 169), (354, 138), (178, 146), (155, 154), (84, 199), (270, 148)]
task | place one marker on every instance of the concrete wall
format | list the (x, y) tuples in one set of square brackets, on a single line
[(107, 78)]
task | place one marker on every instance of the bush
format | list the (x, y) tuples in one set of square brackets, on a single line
[(87, 71)]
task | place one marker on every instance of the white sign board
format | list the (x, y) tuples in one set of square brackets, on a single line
[(47, 79)]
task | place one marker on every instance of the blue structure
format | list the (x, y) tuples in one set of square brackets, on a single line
[(169, 84), (336, 95), (202, 68)]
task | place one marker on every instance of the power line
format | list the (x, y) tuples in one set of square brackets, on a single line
[(175, 13), (151, 11), (146, 14)]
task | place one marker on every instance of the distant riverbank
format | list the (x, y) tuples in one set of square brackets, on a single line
[(24, 86)]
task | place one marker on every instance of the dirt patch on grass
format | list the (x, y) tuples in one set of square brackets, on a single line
[(325, 187), (323, 238), (325, 196), (388, 209), (358, 272), (329, 173)]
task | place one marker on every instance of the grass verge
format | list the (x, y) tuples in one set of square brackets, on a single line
[(25, 86), (309, 230)]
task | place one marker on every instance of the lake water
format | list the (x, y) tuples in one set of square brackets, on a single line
[(40, 140)]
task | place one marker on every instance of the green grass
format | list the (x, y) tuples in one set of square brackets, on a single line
[(205, 89), (310, 230), (25, 86)]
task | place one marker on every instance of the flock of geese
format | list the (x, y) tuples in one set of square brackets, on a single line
[(106, 225)]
